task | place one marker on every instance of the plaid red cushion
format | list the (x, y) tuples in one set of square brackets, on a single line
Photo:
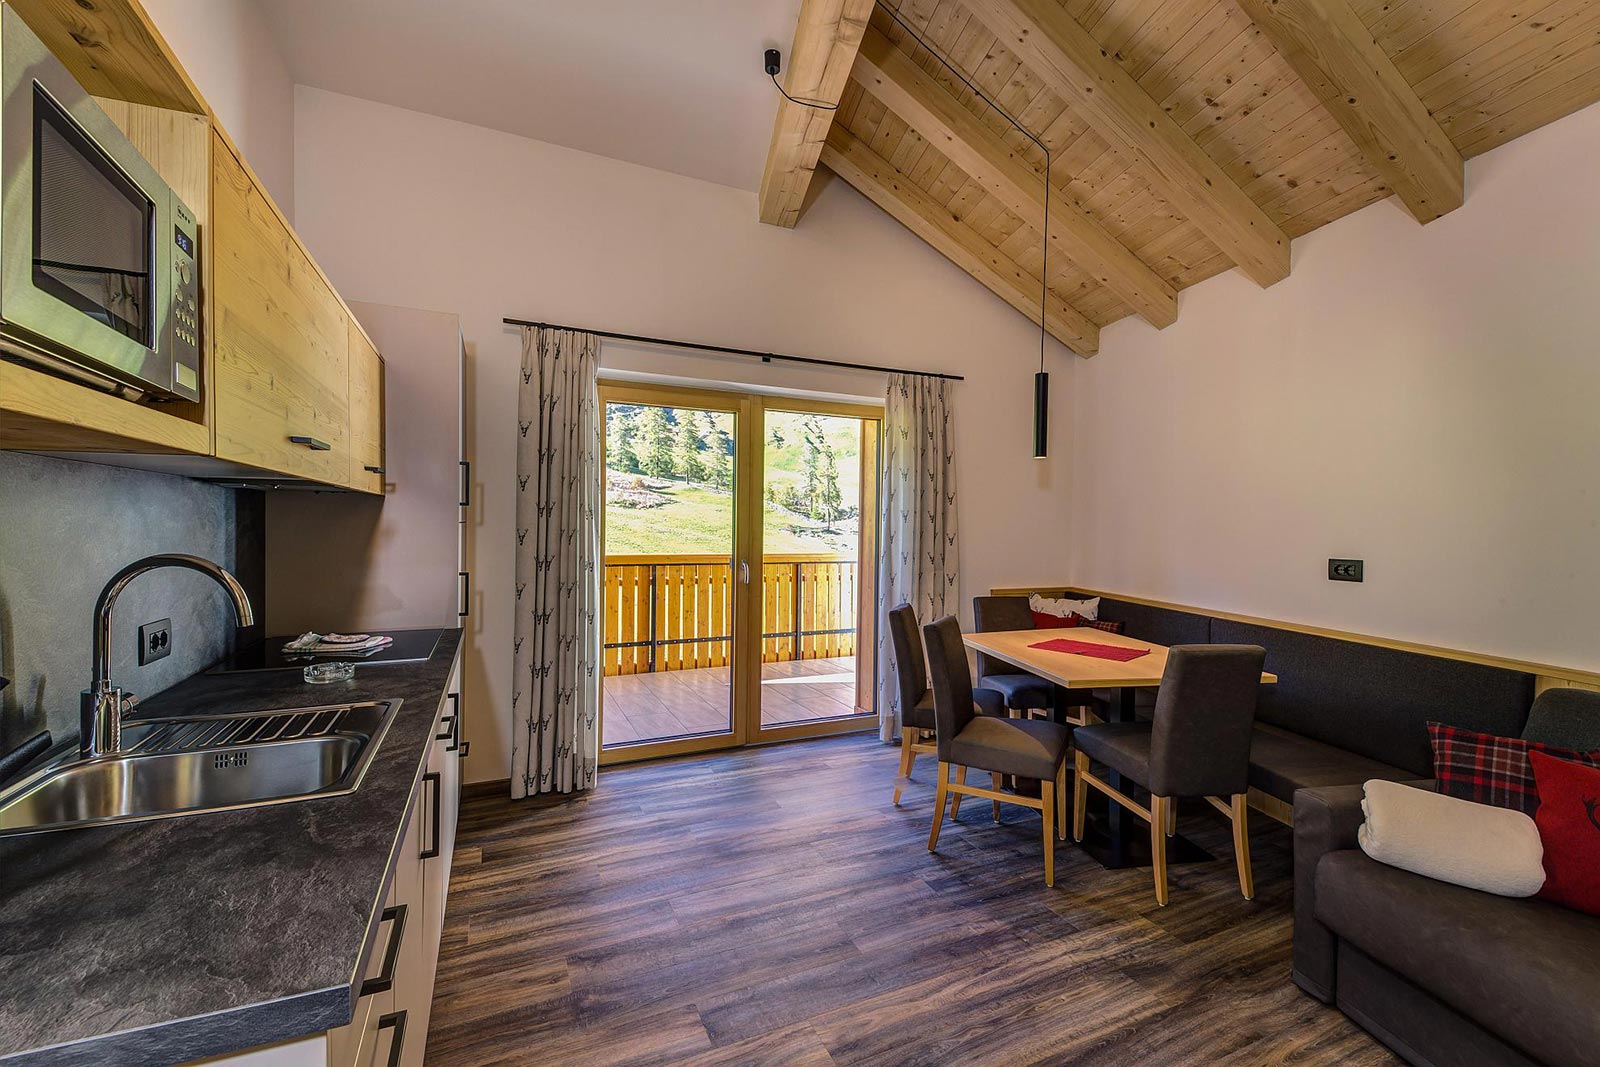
[(1099, 624), (1492, 770)]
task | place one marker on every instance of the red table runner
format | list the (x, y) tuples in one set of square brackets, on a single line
[(1090, 648)]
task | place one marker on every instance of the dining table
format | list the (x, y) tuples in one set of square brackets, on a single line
[(1113, 836)]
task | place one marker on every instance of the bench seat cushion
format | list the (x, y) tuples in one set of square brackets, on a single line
[(1281, 762), (1522, 969)]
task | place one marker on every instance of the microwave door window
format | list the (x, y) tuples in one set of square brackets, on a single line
[(92, 243)]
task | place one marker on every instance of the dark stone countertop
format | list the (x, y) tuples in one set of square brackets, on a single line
[(159, 942)]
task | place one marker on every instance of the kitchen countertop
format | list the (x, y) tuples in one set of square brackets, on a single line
[(159, 942)]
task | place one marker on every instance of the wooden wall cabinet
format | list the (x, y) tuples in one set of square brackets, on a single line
[(366, 413), (280, 339)]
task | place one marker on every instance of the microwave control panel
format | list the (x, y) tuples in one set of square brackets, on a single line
[(185, 302)]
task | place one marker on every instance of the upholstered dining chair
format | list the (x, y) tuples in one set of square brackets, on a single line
[(1026, 748), (1024, 693), (916, 699), (1197, 746)]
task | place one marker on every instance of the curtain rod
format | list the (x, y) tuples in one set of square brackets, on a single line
[(765, 357)]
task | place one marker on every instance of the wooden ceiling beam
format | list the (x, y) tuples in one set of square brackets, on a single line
[(901, 85), (1075, 66), (819, 62), (1333, 52), (878, 180)]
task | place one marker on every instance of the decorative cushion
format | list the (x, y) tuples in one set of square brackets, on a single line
[(1043, 605), (1569, 825), (1495, 850), (1045, 621), (1489, 769)]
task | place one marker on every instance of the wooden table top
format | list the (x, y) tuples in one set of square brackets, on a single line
[(1072, 670)]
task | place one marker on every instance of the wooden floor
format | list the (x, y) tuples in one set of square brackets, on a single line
[(666, 704), (769, 907)]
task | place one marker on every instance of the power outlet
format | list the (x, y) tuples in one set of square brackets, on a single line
[(1344, 570), (155, 641)]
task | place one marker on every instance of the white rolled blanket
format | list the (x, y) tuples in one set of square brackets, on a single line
[(1495, 850)]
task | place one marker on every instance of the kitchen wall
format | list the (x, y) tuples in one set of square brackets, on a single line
[(1425, 398), (404, 208), (65, 528), (228, 49)]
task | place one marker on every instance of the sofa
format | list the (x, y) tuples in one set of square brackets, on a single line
[(1445, 976)]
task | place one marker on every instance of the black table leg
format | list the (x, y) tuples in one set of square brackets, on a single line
[(1117, 837)]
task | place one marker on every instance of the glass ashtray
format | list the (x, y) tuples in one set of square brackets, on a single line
[(323, 673)]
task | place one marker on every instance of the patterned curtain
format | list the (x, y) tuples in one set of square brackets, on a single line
[(917, 525), (555, 693)]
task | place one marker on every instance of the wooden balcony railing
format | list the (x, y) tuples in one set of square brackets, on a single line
[(675, 612)]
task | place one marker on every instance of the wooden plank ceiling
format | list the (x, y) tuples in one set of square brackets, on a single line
[(1186, 137)]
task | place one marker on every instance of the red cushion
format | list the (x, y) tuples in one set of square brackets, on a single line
[(1569, 828), (1042, 621), (1492, 770)]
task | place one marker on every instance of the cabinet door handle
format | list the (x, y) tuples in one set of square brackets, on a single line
[(466, 484), (311, 443), (466, 593), (370, 469), (455, 722), (449, 724), (432, 851), (383, 981), (395, 1021)]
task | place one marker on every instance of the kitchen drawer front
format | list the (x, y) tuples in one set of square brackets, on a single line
[(280, 338)]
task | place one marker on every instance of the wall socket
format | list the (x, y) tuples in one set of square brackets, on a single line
[(1344, 570), (155, 641)]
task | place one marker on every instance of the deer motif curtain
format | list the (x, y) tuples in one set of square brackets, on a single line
[(917, 523), (555, 695)]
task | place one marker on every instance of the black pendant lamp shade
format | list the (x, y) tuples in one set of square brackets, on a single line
[(1041, 414)]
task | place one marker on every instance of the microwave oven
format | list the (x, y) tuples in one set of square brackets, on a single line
[(99, 276)]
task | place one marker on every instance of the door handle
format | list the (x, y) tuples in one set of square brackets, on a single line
[(454, 736), (383, 981), (466, 594), (466, 484), (432, 851), (744, 571), (395, 1021)]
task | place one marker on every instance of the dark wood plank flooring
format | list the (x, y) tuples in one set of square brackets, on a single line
[(771, 907)]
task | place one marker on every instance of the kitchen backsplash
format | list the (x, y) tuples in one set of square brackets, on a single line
[(65, 528)]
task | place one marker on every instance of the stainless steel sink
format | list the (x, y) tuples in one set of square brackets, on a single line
[(187, 766)]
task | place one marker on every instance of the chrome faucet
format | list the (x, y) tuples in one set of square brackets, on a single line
[(103, 704)]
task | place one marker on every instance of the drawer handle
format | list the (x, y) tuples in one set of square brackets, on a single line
[(384, 980), (455, 722), (370, 469), (466, 484), (395, 1021), (432, 851), (466, 593), (449, 724), (311, 443)]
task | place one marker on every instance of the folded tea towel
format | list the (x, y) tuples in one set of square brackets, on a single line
[(313, 642)]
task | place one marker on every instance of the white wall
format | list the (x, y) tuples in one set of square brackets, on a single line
[(1426, 398), (229, 51), (409, 209)]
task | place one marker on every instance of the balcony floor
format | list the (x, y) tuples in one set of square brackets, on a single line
[(668, 704)]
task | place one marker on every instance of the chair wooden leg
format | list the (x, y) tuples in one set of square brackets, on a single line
[(1241, 846), (908, 737), (1172, 818), (940, 793), (955, 798), (998, 781), (1061, 801), (1080, 794), (1158, 845), (1047, 794)]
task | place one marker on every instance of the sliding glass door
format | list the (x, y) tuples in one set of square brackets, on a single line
[(738, 582)]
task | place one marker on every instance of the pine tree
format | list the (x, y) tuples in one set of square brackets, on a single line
[(620, 433), (658, 460), (720, 466), (689, 464), (811, 488), (830, 499)]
